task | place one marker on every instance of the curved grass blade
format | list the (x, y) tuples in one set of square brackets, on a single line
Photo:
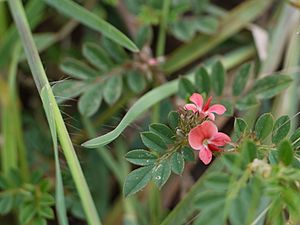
[(154, 96), (76, 12)]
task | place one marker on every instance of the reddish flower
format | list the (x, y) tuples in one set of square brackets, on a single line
[(205, 110), (206, 138)]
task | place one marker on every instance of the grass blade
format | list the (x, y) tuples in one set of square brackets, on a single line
[(76, 12)]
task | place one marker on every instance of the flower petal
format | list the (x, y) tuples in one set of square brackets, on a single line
[(208, 129), (191, 107), (196, 138), (211, 116), (197, 99), (217, 108), (220, 139), (205, 155)]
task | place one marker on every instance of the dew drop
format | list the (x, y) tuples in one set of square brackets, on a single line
[(158, 177)]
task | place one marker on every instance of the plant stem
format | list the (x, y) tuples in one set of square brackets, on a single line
[(41, 81), (160, 48)]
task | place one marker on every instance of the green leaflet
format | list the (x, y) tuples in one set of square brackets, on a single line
[(77, 69), (137, 179), (218, 77), (281, 129), (141, 157), (91, 100), (241, 79), (268, 87), (285, 152), (264, 126), (75, 11), (177, 163), (161, 173), (153, 142)]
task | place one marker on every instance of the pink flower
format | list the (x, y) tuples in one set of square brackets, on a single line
[(205, 110), (206, 138)]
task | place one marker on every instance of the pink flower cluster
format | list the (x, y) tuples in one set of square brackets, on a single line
[(205, 137)]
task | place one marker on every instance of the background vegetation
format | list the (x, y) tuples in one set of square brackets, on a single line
[(89, 88)]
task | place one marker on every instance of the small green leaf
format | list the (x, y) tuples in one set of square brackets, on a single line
[(141, 157), (114, 50), (264, 126), (27, 212), (249, 151), (240, 126), (67, 89), (285, 152), (247, 102), (113, 89), (185, 88), (46, 199), (270, 86), (91, 100), (46, 212), (78, 69), (39, 221), (202, 80), (188, 153), (137, 179), (79, 13), (281, 129), (153, 142), (207, 25), (177, 163), (136, 81), (218, 78), (295, 138), (96, 55), (241, 79), (143, 36), (163, 131), (183, 30), (173, 119), (161, 173), (6, 204)]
